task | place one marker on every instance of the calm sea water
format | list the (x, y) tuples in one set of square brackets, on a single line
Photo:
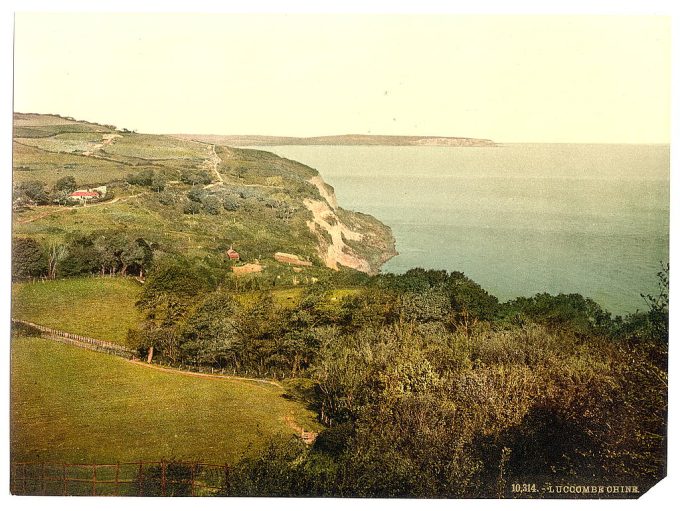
[(518, 219)]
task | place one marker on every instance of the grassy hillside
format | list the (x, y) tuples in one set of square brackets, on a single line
[(73, 405), (180, 196), (103, 308)]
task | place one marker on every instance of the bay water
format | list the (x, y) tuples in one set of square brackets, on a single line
[(519, 219)]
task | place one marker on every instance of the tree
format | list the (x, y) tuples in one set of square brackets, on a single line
[(33, 191), (192, 208), (132, 253), (196, 194), (195, 177), (142, 178), (169, 293), (28, 259), (158, 182), (211, 204), (82, 257), (658, 307), (211, 334), (66, 184), (56, 255), (231, 203)]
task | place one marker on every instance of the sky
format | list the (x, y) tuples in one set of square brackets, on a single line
[(603, 79)]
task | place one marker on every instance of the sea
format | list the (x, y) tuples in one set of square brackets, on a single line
[(519, 219)]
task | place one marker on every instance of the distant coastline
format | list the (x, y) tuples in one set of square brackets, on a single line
[(341, 140)]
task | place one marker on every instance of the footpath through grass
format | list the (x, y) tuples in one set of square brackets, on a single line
[(73, 405), (99, 307)]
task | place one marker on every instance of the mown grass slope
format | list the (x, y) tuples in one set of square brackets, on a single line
[(73, 405), (99, 307)]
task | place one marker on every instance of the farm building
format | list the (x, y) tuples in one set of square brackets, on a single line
[(233, 255), (84, 195)]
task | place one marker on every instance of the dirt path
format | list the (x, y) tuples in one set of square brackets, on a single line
[(308, 437), (204, 375), (213, 163), (66, 208), (107, 139)]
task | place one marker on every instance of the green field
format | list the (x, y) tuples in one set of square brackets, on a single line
[(99, 307), (73, 405), (104, 307)]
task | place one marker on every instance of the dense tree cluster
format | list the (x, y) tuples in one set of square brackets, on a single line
[(36, 193), (427, 385), (106, 252)]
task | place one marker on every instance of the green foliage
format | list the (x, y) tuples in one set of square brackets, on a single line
[(658, 308), (211, 334), (158, 182), (81, 257), (192, 208), (142, 178), (211, 205), (171, 285), (231, 203), (66, 184), (195, 177), (196, 194), (28, 259), (110, 252), (572, 312), (33, 191)]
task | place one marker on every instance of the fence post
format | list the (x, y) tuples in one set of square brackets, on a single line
[(117, 491), (163, 478), (140, 478), (193, 478), (94, 480)]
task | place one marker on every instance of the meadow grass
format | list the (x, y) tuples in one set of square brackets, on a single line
[(157, 147), (31, 163), (77, 406), (99, 307)]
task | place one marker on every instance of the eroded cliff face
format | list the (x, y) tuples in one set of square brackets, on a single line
[(346, 238)]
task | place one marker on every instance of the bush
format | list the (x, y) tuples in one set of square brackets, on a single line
[(192, 208), (142, 178), (28, 259), (211, 205), (66, 184)]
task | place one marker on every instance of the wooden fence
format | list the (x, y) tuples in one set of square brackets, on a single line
[(141, 479), (77, 340)]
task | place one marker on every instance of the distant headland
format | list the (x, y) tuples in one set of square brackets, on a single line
[(346, 140)]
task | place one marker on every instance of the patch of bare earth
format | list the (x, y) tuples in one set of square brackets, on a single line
[(326, 223), (308, 437)]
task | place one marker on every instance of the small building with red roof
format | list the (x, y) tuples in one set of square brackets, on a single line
[(84, 195), (233, 255)]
